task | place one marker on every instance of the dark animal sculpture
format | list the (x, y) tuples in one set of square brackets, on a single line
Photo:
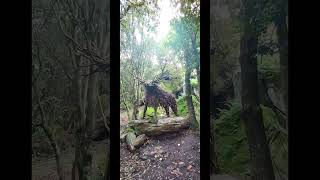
[(178, 92), (155, 97)]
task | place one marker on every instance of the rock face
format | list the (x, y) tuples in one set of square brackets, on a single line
[(222, 177)]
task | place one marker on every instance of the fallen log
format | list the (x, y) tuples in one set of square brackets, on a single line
[(165, 125), (134, 142), (139, 140)]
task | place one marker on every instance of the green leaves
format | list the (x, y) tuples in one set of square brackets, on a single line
[(150, 113), (183, 108), (231, 141), (269, 69)]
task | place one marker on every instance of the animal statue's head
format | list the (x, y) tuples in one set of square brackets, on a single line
[(152, 86)]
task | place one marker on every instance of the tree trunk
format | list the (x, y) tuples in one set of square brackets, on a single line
[(282, 35), (56, 149), (191, 112), (79, 170), (107, 168), (261, 164), (198, 78), (195, 53), (78, 117), (136, 102), (85, 154), (213, 158), (49, 134)]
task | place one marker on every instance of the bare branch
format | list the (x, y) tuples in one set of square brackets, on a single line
[(104, 117), (137, 78)]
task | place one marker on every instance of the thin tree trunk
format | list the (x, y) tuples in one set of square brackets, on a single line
[(198, 78), (49, 135), (103, 115), (85, 154), (191, 111), (77, 169), (282, 35), (261, 164), (56, 149), (213, 157), (135, 103), (107, 168), (83, 123), (195, 53), (128, 111)]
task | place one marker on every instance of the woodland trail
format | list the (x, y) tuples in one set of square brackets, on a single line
[(171, 156), (44, 168)]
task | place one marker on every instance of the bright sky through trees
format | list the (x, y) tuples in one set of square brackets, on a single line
[(167, 12)]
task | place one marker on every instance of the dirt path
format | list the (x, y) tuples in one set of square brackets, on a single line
[(45, 168), (174, 156)]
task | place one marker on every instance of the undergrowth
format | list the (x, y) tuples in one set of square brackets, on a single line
[(232, 147)]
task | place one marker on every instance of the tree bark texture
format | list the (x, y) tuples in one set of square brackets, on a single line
[(169, 125), (261, 164), (191, 112), (282, 35)]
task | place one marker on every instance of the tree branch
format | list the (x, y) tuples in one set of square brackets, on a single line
[(104, 117)]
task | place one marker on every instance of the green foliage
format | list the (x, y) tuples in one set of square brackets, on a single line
[(278, 141), (150, 113), (184, 39), (194, 83), (175, 83), (232, 148), (183, 108), (40, 143), (231, 141), (101, 165), (269, 68), (130, 129)]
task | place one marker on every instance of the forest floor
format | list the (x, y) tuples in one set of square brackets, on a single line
[(173, 156), (44, 168)]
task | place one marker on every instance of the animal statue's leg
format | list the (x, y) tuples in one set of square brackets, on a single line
[(167, 111), (155, 118), (174, 109), (145, 109)]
